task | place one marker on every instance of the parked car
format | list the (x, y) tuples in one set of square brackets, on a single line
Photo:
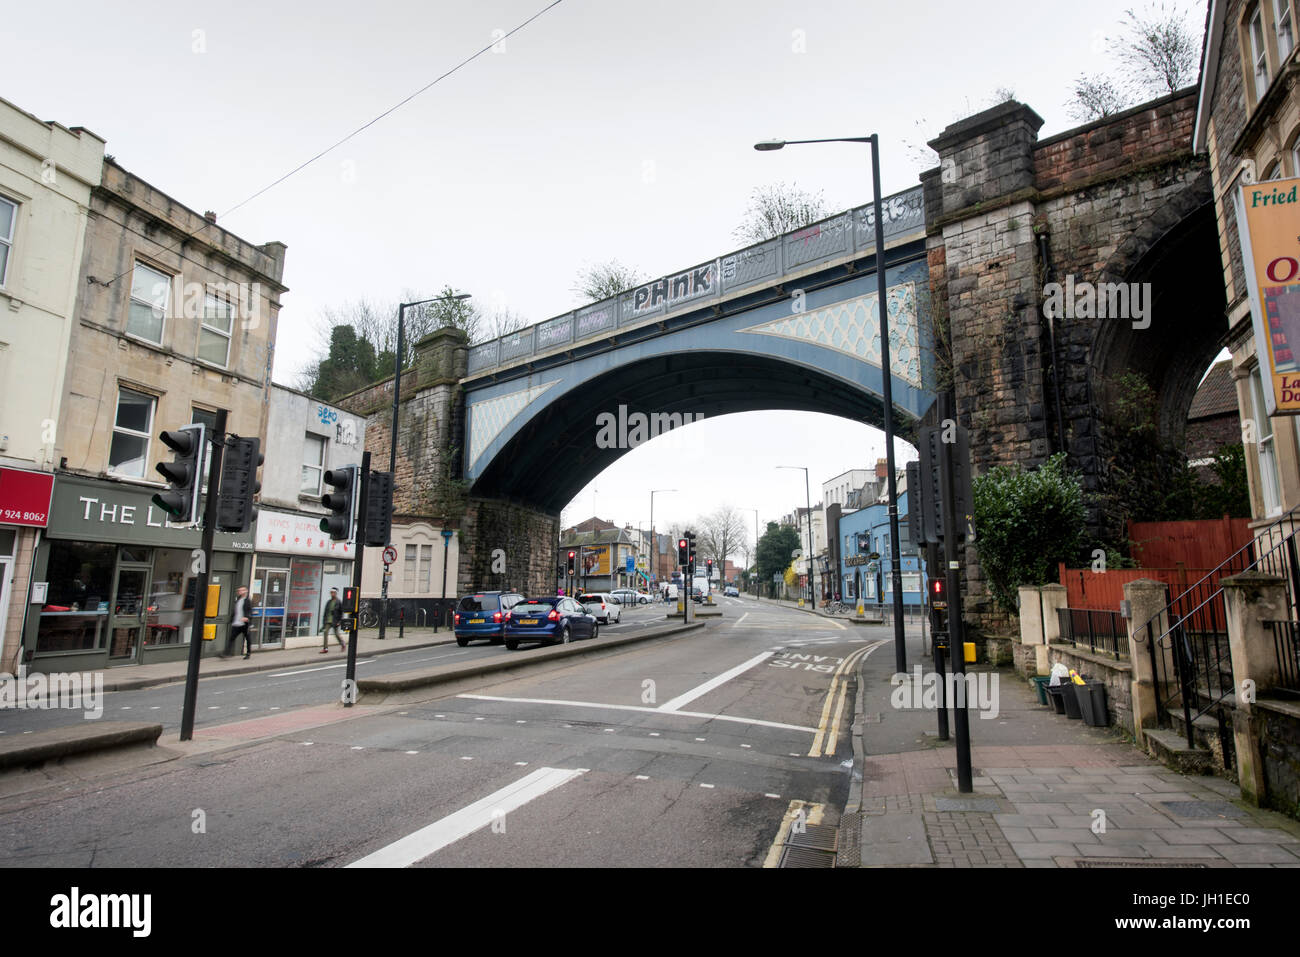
[(603, 605), (731, 591), (553, 619), (482, 615), (630, 596)]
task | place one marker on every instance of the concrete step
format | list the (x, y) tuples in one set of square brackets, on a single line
[(1170, 748), (32, 749)]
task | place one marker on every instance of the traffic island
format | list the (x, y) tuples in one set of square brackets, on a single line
[(31, 750), (447, 678)]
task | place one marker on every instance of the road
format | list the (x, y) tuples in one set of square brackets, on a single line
[(686, 751)]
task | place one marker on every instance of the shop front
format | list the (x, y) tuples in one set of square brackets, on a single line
[(24, 513), (297, 565), (113, 583)]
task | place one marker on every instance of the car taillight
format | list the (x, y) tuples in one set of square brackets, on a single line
[(554, 616), (496, 616), (458, 619)]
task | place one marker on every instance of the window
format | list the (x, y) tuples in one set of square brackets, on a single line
[(1295, 158), (426, 567), (150, 290), (209, 421), (214, 331), (416, 569), (1258, 53), (1285, 37), (8, 217), (1264, 446), (313, 464), (129, 452), (408, 569), (1274, 171)]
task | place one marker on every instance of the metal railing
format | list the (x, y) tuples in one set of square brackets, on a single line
[(1188, 640), (1106, 631), (851, 233), (1287, 649)]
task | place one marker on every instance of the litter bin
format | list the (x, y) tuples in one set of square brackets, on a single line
[(1068, 693), (1040, 683), (1094, 692), (1084, 701), (1057, 695)]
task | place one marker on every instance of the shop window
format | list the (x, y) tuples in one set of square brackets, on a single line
[(132, 427), (313, 464), (150, 290), (8, 538), (8, 217), (75, 614), (170, 612)]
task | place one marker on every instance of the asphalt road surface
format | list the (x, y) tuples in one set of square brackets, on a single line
[(686, 751)]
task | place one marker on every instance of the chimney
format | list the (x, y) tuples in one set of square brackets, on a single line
[(211, 217), (882, 469)]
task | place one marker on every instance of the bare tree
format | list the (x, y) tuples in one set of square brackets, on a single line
[(1159, 49), (502, 323), (604, 280), (721, 533), (777, 209), (1095, 98)]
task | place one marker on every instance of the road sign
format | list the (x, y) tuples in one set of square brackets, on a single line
[(630, 562), (390, 555)]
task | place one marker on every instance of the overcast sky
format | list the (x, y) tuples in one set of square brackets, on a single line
[(603, 129)]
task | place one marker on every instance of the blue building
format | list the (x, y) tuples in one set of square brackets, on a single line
[(864, 534)]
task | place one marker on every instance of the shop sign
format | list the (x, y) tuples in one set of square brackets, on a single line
[(297, 535), (25, 497), (116, 512), (1268, 222)]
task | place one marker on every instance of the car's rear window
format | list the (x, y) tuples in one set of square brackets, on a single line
[(532, 607), (479, 603), (590, 599)]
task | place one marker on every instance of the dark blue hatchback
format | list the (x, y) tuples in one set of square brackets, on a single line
[(483, 614), (553, 619)]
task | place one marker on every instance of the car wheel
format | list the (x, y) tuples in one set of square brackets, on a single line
[(595, 629), (512, 645), (565, 636), (462, 641)]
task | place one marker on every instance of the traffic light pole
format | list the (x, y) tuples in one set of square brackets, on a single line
[(218, 439), (932, 558), (956, 630), (363, 489)]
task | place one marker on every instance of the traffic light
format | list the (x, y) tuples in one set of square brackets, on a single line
[(709, 566), (342, 502), (573, 561), (915, 503), (690, 547), (379, 508), (181, 501), (683, 552), (235, 509)]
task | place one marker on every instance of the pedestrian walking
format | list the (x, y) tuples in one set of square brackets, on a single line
[(240, 617), (331, 617)]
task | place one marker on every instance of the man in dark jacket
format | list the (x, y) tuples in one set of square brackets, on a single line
[(240, 618), (331, 618)]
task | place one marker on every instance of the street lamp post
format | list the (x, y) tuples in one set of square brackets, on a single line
[(654, 539), (882, 307), (757, 584), (392, 441), (812, 571)]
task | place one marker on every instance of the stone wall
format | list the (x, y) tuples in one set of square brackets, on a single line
[(505, 545), (1280, 745), (1118, 676)]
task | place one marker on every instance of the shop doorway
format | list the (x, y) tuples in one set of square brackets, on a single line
[(270, 588), (127, 615)]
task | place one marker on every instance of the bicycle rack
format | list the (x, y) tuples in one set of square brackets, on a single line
[(423, 618)]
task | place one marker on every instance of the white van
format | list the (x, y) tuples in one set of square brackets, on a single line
[(669, 591)]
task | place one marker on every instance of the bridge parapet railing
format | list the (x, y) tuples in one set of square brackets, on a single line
[(845, 235)]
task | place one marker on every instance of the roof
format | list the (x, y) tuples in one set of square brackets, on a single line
[(1214, 20), (1217, 395)]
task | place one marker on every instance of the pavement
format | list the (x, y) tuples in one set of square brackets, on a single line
[(1048, 791)]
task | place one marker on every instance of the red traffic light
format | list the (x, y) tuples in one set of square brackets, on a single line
[(937, 586), (573, 555)]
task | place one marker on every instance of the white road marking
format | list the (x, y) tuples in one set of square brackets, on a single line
[(465, 757), (706, 785), (429, 840), (772, 796), (521, 764), (412, 752), (303, 671), (643, 777), (357, 747), (740, 619), (631, 707), (683, 699)]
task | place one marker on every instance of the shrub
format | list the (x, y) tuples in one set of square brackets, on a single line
[(1025, 523)]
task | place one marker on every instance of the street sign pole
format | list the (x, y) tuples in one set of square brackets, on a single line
[(218, 439), (956, 631), (447, 533)]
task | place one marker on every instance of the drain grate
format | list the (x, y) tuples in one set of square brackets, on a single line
[(820, 837), (1087, 862), (806, 857), (849, 848), (1203, 809)]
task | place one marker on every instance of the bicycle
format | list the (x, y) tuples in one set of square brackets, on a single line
[(838, 608)]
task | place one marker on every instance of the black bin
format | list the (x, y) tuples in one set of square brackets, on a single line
[(1094, 693), (1056, 695), (1069, 692)]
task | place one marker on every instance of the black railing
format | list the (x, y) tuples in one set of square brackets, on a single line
[(1287, 650), (1099, 630), (1188, 640)]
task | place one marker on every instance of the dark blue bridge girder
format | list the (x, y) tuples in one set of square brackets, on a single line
[(539, 422)]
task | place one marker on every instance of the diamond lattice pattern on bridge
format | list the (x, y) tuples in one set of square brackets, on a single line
[(853, 328), (489, 417)]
